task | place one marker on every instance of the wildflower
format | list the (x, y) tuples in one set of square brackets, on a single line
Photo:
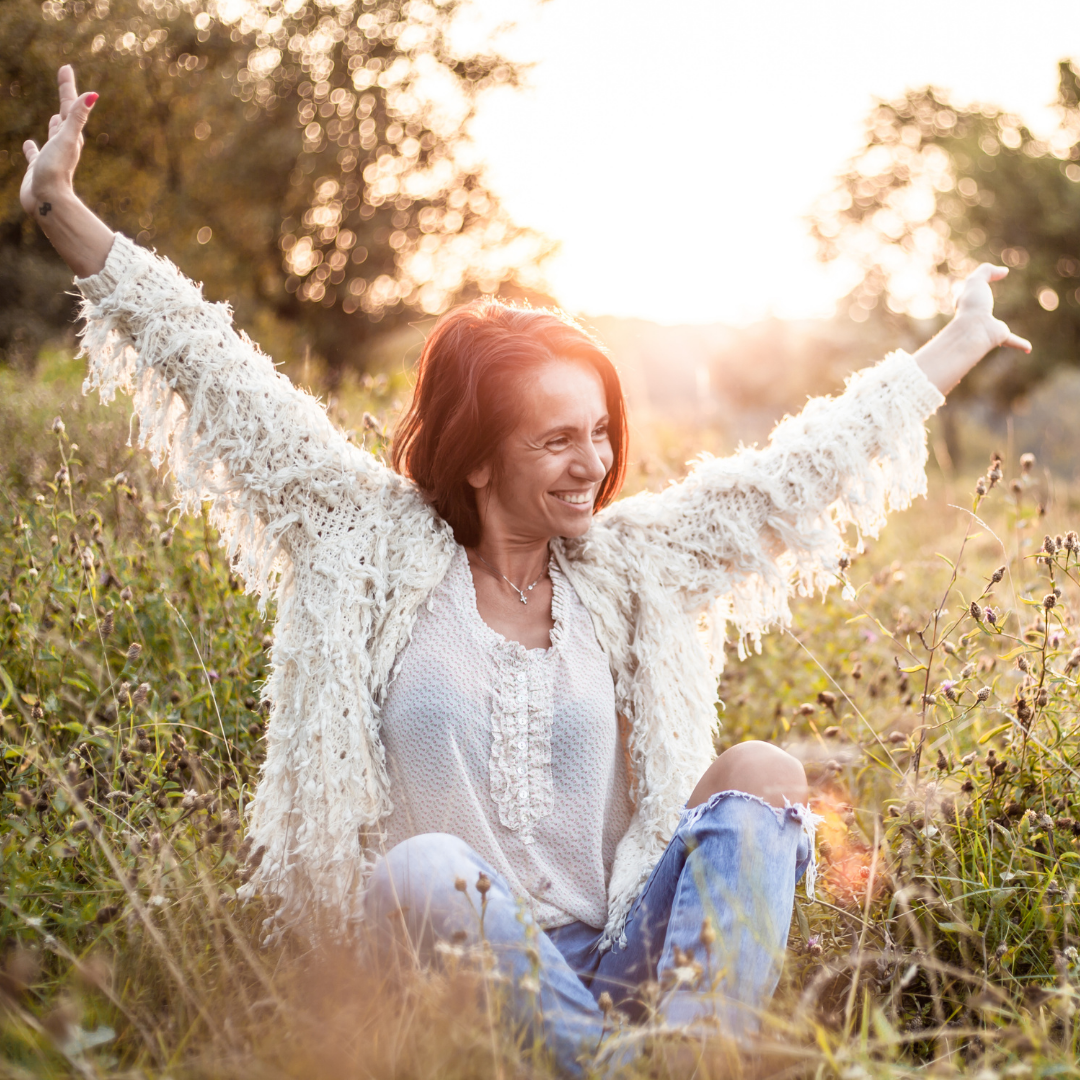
[(58, 426), (1023, 712), (1043, 698), (813, 945), (125, 594), (994, 475), (967, 759), (134, 651), (998, 574), (37, 712), (1048, 545), (983, 695), (980, 486), (948, 691), (142, 692), (942, 762), (990, 616), (143, 743), (976, 611), (107, 624), (1027, 462), (1074, 660), (967, 671), (371, 423), (1049, 600), (1072, 541), (87, 557)]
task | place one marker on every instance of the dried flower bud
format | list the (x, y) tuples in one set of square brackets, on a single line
[(845, 561), (949, 691), (108, 624), (708, 933), (1027, 462), (1023, 712), (167, 538), (58, 426), (942, 762), (37, 712), (371, 423), (125, 594), (1023, 663), (1073, 661), (483, 884), (460, 884), (14, 608), (1072, 541), (998, 574), (142, 692), (1048, 545), (605, 1003), (980, 486), (994, 475), (827, 697), (976, 611), (1049, 600), (134, 651), (831, 732), (1016, 487), (967, 671), (983, 695), (990, 616), (967, 759), (1042, 699), (805, 709)]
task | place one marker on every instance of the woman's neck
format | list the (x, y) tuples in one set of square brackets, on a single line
[(522, 560)]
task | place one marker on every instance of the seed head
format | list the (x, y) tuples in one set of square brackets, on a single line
[(1027, 462), (1016, 487), (483, 884), (708, 934), (998, 574), (967, 671), (845, 561), (805, 709), (1049, 600), (1023, 712), (976, 611), (14, 608), (142, 692), (107, 624), (37, 712), (125, 594), (1072, 541), (942, 762), (827, 697), (896, 737), (605, 1003), (1049, 546), (983, 695), (58, 426), (1023, 663), (1073, 661), (1042, 699), (980, 486), (134, 651), (831, 732), (460, 884), (994, 475)]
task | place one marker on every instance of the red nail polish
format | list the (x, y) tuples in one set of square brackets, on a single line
[(90, 99)]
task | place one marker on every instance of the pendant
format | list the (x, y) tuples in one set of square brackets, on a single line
[(523, 600)]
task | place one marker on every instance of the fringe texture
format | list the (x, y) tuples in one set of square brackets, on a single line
[(349, 550)]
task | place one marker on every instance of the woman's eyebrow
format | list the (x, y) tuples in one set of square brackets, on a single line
[(558, 429)]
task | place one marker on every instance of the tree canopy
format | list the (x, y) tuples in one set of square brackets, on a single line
[(937, 188), (309, 161)]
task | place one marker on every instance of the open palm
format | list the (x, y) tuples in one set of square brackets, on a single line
[(51, 169)]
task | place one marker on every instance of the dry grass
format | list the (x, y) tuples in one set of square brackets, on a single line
[(942, 747)]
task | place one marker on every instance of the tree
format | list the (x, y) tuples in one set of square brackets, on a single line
[(308, 161), (938, 188)]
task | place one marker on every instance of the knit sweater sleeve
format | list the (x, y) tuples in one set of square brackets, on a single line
[(744, 532), (233, 429)]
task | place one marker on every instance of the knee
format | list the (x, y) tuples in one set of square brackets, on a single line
[(420, 866), (758, 768)]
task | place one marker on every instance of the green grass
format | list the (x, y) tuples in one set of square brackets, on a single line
[(942, 749)]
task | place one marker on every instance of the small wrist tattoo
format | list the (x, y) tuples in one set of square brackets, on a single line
[(45, 208)]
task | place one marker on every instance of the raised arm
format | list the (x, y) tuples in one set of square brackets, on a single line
[(235, 431), (748, 530)]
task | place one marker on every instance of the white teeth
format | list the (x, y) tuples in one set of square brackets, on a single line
[(576, 500)]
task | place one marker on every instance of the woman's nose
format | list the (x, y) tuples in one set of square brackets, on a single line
[(589, 465)]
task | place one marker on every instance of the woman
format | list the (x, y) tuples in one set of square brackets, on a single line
[(486, 692)]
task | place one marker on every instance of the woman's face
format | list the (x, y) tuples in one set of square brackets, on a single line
[(550, 468)]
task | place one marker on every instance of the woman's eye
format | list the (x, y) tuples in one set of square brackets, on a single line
[(600, 433), (560, 443)]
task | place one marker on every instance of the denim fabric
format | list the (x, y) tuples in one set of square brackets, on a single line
[(733, 860)]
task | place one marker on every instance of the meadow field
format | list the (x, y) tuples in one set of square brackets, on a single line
[(932, 695)]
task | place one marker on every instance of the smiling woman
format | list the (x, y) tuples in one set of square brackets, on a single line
[(489, 690)]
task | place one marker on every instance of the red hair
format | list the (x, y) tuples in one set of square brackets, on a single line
[(467, 400)]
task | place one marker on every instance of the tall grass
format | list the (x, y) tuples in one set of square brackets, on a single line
[(936, 709)]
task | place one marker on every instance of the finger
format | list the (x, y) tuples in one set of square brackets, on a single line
[(30, 151), (80, 112), (1013, 341), (54, 124), (65, 79)]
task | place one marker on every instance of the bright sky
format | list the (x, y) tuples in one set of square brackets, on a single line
[(674, 151)]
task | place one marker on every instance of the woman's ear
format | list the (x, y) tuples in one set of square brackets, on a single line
[(481, 477)]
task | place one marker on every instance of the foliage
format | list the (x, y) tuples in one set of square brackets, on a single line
[(939, 187), (940, 738), (323, 150)]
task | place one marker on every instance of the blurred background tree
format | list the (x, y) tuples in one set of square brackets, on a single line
[(938, 188), (309, 162)]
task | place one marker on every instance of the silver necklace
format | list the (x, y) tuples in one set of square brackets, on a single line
[(521, 592)]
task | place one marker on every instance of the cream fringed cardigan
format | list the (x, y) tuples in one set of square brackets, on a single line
[(350, 550)]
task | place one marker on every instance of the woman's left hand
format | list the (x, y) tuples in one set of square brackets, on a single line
[(973, 332)]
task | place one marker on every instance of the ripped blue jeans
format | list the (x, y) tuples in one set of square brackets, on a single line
[(703, 943)]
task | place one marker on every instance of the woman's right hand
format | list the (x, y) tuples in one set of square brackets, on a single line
[(51, 171), (48, 191)]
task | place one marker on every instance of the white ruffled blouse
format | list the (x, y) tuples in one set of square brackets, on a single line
[(516, 751)]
